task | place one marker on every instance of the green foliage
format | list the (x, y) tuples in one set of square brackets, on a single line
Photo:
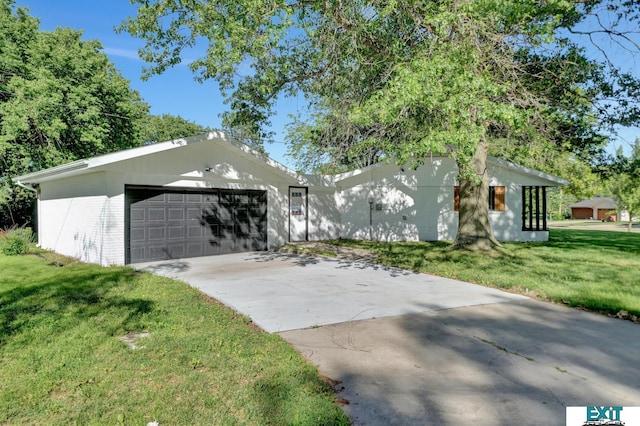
[(625, 184), (16, 241), (202, 363), (61, 100), (166, 127)]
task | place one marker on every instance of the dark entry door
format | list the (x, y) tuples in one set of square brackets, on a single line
[(166, 223)]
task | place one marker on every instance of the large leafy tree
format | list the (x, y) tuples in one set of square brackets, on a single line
[(624, 184), (402, 79), (60, 100), (165, 127)]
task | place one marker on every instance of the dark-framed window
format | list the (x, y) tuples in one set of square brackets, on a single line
[(534, 208), (496, 198)]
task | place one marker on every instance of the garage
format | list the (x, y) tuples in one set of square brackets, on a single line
[(164, 223)]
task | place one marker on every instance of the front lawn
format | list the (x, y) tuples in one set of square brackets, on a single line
[(596, 270), (62, 360)]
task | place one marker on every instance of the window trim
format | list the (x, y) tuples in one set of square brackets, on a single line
[(497, 202)]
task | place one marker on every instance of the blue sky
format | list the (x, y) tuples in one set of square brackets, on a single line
[(176, 92)]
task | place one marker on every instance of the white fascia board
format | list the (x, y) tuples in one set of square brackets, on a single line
[(527, 171), (89, 164), (82, 166), (57, 172)]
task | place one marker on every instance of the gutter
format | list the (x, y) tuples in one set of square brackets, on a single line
[(27, 187)]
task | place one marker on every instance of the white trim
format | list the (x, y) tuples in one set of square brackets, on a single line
[(83, 166)]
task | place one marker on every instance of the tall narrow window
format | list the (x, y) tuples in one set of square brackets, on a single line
[(496, 198), (534, 208)]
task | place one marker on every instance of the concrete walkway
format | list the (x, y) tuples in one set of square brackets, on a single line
[(412, 349)]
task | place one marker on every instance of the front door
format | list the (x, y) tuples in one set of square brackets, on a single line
[(298, 213)]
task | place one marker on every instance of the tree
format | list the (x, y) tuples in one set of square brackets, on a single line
[(61, 100), (165, 127), (402, 79), (625, 183)]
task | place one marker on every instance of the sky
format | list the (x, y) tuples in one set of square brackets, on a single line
[(176, 92)]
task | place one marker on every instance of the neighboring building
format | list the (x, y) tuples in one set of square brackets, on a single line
[(208, 194), (600, 208)]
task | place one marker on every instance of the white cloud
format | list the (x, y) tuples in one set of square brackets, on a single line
[(123, 53)]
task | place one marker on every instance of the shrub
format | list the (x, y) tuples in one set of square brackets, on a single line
[(16, 241)]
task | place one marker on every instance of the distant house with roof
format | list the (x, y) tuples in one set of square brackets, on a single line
[(599, 208)]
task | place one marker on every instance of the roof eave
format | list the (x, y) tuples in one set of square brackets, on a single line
[(526, 170), (57, 172)]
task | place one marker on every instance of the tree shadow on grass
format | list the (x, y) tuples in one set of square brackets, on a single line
[(573, 239), (68, 296)]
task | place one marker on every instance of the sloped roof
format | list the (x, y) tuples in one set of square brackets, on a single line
[(607, 203), (90, 164), (553, 180), (95, 163)]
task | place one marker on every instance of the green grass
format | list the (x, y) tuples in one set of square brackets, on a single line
[(61, 360), (595, 270)]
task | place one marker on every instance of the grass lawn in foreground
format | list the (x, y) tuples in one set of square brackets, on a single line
[(596, 270), (62, 362)]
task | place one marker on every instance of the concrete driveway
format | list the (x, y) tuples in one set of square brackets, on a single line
[(406, 348)]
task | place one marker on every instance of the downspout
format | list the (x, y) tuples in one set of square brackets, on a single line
[(27, 187)]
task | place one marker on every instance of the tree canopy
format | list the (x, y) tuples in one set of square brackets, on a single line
[(624, 182), (165, 127), (61, 99)]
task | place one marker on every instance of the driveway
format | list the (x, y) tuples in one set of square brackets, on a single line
[(405, 348)]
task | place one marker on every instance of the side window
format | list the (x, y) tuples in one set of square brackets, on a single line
[(496, 198)]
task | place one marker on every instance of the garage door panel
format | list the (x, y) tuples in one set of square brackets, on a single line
[(171, 223), (137, 215), (156, 198), (137, 235), (176, 213), (176, 198), (138, 253), (176, 251), (176, 232), (156, 233), (156, 214)]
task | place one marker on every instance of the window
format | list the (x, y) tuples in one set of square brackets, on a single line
[(534, 208), (496, 198)]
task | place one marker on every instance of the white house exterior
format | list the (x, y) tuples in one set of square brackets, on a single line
[(419, 205), (208, 194)]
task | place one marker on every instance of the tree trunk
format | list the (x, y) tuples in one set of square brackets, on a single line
[(474, 228)]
